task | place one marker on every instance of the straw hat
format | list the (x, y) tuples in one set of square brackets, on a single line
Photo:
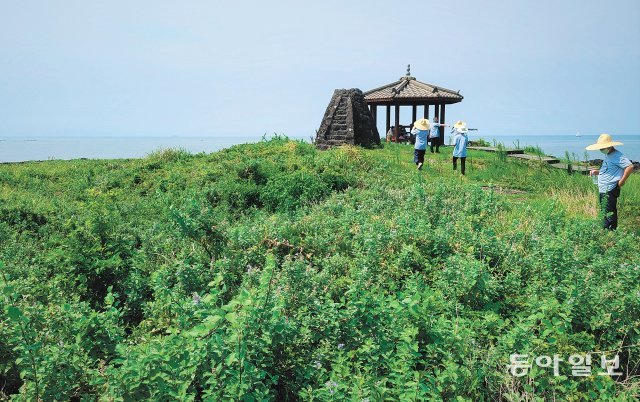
[(460, 126), (604, 141), (422, 124)]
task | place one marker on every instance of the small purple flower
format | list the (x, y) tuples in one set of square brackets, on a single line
[(331, 385), (317, 364), (196, 298), (341, 346)]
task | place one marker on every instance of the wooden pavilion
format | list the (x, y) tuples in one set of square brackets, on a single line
[(408, 91)]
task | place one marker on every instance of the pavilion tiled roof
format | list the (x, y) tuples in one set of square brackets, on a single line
[(408, 88)]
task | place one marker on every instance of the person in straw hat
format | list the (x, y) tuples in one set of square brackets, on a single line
[(460, 141), (612, 175), (434, 135), (420, 131)]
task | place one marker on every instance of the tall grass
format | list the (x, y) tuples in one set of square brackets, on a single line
[(534, 150), (501, 152), (165, 155)]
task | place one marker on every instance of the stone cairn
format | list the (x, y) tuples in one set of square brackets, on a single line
[(347, 121)]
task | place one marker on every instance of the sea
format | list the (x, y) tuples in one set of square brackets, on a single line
[(20, 149)]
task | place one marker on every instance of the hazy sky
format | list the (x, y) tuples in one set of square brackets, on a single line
[(218, 68)]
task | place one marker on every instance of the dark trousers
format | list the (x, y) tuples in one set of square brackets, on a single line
[(434, 142), (455, 163), (609, 207), (418, 156)]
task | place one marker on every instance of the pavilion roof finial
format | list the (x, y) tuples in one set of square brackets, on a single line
[(408, 70)]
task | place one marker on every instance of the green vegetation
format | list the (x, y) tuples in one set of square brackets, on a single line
[(480, 142), (534, 150), (272, 271)]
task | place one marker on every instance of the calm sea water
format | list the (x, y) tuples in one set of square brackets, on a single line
[(13, 149)]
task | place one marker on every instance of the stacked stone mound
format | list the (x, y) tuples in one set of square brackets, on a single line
[(347, 121)]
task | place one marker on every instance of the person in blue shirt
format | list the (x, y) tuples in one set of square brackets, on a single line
[(460, 141), (612, 175), (434, 135), (420, 131)]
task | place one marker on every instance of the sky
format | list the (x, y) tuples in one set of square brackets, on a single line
[(248, 68)]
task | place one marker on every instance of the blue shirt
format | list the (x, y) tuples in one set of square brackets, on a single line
[(612, 170), (421, 138), (460, 149), (435, 130)]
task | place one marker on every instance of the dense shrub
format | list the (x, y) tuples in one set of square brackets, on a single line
[(272, 271), (289, 191)]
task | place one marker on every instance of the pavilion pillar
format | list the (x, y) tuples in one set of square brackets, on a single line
[(397, 121), (436, 113), (414, 114), (426, 111), (442, 122), (388, 119)]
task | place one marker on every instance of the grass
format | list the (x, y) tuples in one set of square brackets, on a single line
[(540, 182), (534, 150)]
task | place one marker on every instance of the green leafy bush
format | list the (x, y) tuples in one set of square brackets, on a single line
[(289, 191), (273, 271)]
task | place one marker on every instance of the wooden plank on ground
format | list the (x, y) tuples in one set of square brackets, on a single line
[(546, 159), (579, 169), (492, 149)]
